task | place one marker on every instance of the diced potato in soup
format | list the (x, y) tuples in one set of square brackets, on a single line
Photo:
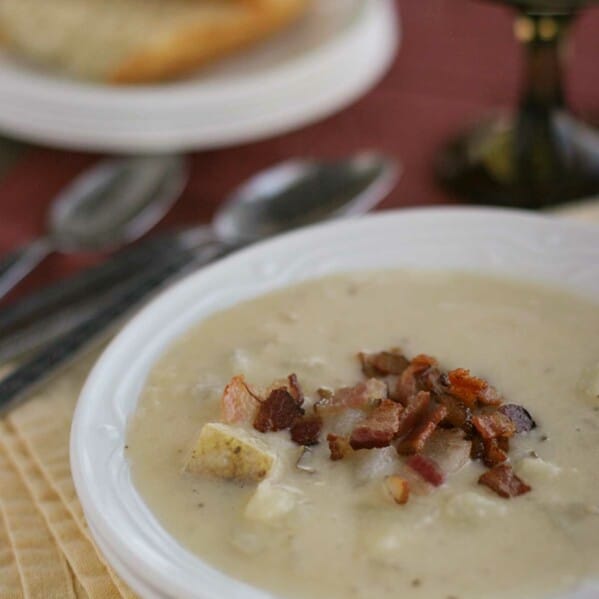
[(509, 399)]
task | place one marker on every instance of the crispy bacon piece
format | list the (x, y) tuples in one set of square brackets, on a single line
[(415, 409), (433, 380), (379, 429), (520, 416), (458, 414), (503, 481), (493, 454), (277, 412), (295, 390), (503, 443), (417, 438), (421, 375), (427, 469), (239, 402), (470, 389), (422, 362), (364, 395), (383, 363), (493, 425), (414, 378), (338, 446), (305, 430), (477, 451), (398, 488)]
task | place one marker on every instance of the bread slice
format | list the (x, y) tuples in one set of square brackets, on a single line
[(136, 41)]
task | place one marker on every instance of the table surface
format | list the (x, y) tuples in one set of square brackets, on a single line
[(458, 62)]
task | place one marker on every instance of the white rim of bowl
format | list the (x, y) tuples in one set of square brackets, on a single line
[(125, 561)]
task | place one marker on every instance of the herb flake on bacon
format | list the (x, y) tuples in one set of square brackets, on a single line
[(503, 481), (277, 412), (306, 430), (379, 428)]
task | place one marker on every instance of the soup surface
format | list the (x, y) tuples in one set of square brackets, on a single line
[(323, 530)]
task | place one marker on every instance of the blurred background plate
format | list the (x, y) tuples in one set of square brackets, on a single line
[(334, 55)]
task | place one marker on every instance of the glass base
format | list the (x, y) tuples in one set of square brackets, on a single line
[(495, 163)]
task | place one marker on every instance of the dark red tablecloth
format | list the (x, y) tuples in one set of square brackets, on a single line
[(458, 61)]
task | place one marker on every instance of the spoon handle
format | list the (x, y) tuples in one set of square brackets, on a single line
[(57, 300), (17, 386), (16, 265)]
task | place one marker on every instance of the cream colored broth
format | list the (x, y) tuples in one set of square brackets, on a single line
[(537, 346)]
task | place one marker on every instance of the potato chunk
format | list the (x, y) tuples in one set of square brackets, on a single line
[(270, 502), (230, 452)]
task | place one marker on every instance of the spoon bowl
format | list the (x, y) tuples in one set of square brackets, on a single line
[(112, 203), (301, 192), (115, 202)]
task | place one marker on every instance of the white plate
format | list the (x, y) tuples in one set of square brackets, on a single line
[(501, 242), (330, 58)]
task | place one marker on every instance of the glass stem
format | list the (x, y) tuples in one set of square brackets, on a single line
[(539, 159)]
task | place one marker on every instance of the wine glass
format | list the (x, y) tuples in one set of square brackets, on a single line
[(544, 155)]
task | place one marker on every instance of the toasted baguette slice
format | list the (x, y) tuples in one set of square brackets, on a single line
[(136, 41)]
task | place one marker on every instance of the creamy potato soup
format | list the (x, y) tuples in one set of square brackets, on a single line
[(391, 516)]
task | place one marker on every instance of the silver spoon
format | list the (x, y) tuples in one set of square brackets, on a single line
[(287, 196), (113, 203)]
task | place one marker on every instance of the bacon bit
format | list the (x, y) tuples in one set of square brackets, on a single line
[(422, 362), (305, 430), (471, 389), (379, 429), (364, 395), (383, 363), (432, 380), (520, 416), (398, 488), (427, 469), (477, 452), (239, 402), (492, 453), (503, 481), (458, 414), (491, 426), (338, 446), (415, 410), (421, 374), (503, 443), (295, 390), (416, 440), (277, 412)]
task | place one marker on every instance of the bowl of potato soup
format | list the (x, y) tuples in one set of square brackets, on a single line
[(400, 405)]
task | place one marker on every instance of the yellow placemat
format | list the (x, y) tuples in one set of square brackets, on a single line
[(46, 550)]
